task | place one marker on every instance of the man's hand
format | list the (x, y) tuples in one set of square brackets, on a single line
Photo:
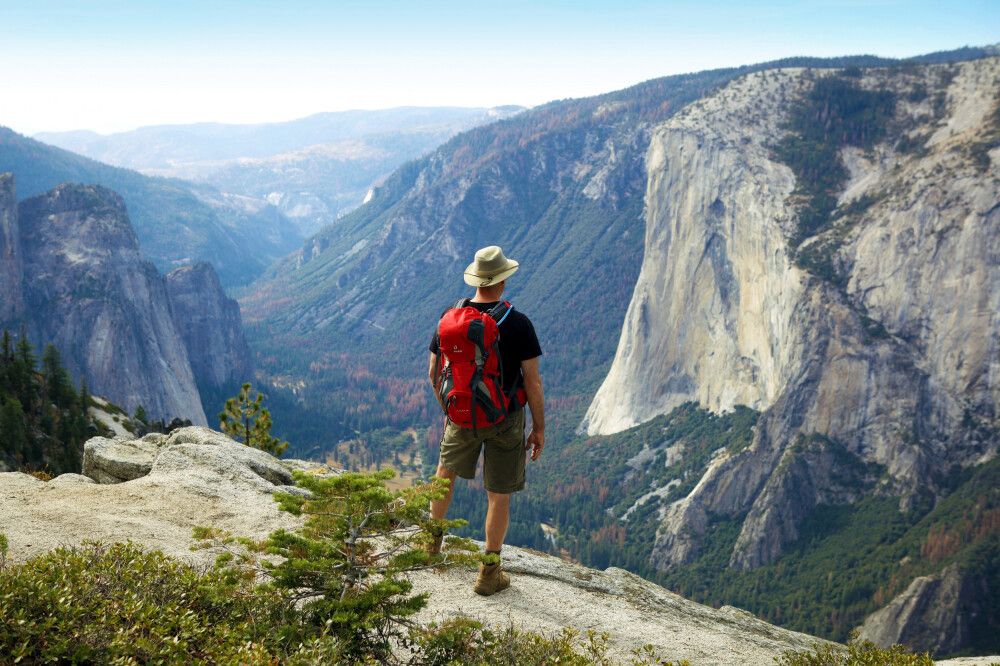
[(536, 442), (536, 403)]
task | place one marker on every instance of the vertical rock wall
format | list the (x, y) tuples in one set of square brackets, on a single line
[(876, 382), (93, 295), (710, 318), (11, 264), (210, 325)]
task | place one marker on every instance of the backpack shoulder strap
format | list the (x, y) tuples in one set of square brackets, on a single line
[(500, 311), (462, 302)]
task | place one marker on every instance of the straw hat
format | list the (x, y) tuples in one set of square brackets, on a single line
[(490, 267)]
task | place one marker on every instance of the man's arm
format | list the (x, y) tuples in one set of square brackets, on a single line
[(432, 374), (536, 403)]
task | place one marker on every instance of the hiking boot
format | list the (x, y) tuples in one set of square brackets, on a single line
[(492, 579)]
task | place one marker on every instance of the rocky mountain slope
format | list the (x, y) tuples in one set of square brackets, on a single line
[(313, 169), (154, 491), (560, 187), (891, 359), (209, 322), (869, 342), (177, 223), (81, 283)]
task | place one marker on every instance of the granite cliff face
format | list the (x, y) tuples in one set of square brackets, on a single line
[(93, 295), (715, 244), (210, 325), (935, 614), (878, 375), (11, 264), (83, 285)]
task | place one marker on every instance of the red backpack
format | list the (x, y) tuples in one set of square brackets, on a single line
[(471, 377)]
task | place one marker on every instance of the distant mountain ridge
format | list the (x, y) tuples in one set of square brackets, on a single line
[(163, 146), (313, 169), (177, 223), (560, 187)]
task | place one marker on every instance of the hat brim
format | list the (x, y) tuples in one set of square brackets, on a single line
[(474, 280)]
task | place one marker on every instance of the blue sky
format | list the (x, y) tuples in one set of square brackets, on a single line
[(112, 65)]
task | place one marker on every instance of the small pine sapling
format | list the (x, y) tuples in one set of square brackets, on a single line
[(245, 419), (346, 570)]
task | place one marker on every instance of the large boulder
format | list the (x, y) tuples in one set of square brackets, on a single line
[(192, 450), (197, 448), (117, 460)]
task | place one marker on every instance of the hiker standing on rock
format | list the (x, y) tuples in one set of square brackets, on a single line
[(484, 369)]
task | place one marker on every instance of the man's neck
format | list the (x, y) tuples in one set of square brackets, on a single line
[(487, 296)]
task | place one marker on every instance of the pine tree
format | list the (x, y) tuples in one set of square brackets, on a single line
[(23, 369), (13, 430), (84, 398), (59, 389), (140, 415), (246, 419), (6, 363), (350, 563)]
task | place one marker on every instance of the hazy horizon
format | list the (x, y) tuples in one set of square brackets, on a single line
[(111, 66)]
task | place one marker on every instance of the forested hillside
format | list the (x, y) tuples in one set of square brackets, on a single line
[(345, 320), (43, 418)]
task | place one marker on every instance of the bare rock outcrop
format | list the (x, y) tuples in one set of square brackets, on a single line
[(877, 378), (210, 325), (934, 614), (200, 477), (91, 293), (119, 460)]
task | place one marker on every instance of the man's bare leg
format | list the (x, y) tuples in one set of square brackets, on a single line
[(497, 519), (492, 578), (439, 508)]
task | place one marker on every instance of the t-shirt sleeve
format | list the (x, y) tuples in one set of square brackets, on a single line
[(435, 345), (529, 342)]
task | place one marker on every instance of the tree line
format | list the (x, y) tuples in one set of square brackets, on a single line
[(43, 416)]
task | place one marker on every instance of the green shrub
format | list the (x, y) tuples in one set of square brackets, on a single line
[(465, 641), (858, 653), (103, 604), (347, 567)]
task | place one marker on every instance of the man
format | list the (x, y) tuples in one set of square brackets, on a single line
[(503, 445)]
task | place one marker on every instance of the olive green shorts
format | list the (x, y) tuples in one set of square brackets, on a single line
[(503, 453)]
